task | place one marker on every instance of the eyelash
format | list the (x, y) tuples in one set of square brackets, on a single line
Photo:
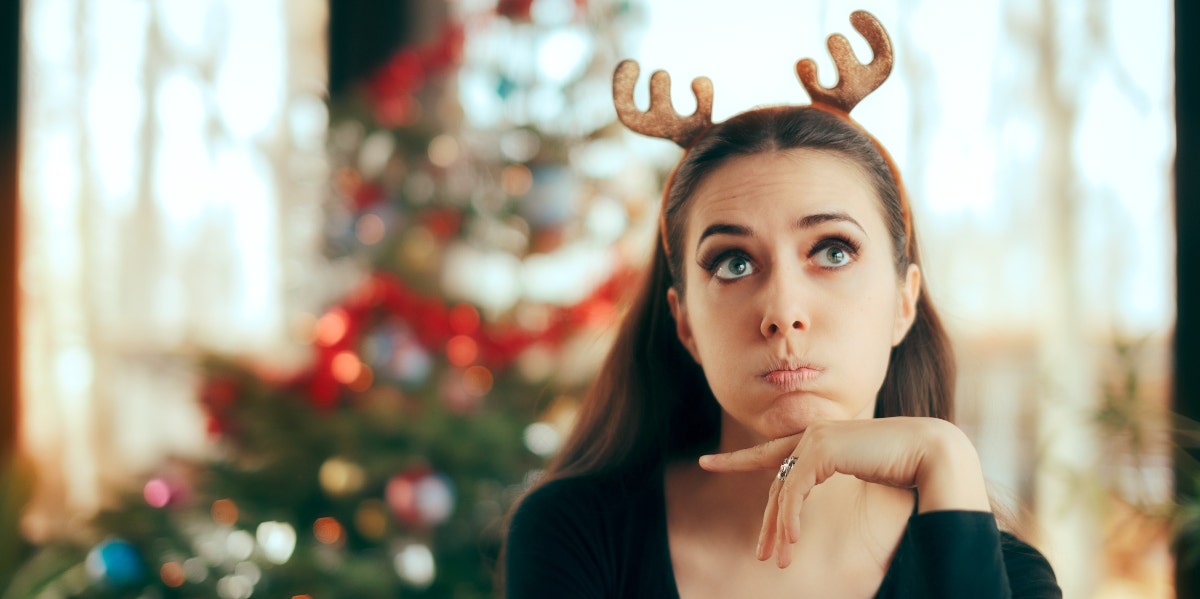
[(712, 261), (849, 245)]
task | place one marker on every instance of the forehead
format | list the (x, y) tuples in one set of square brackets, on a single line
[(788, 185)]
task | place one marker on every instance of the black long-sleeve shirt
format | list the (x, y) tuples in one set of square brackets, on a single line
[(596, 538)]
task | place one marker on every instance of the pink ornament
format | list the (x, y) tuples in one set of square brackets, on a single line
[(165, 490), (420, 497), (401, 496)]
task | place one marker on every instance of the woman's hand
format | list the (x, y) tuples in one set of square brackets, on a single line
[(928, 454)]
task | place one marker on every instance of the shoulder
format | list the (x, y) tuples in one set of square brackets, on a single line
[(574, 538), (971, 555), (1028, 570), (585, 504), (567, 498)]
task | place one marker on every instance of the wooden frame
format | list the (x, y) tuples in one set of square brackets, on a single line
[(1186, 400), (10, 41)]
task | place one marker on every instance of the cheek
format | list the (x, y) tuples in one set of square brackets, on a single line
[(857, 316), (721, 319)]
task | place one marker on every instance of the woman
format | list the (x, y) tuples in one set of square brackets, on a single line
[(774, 418)]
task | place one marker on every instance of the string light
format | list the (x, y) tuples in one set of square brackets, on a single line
[(477, 380), (516, 179), (328, 530), (346, 367), (370, 229), (332, 327), (172, 574), (461, 350), (225, 512)]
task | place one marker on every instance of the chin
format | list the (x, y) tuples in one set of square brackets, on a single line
[(792, 417)]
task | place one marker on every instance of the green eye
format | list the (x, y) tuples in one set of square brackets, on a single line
[(733, 267), (833, 253), (834, 256)]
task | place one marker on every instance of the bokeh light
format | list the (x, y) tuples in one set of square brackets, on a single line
[(542, 439), (239, 545), (516, 179), (328, 530), (276, 540), (341, 477), (346, 367), (464, 319), (157, 492), (365, 377), (370, 229), (461, 350), (415, 565), (371, 519), (332, 326), (443, 150), (225, 512), (477, 380), (172, 574)]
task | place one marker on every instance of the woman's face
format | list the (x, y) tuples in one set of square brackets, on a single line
[(792, 300)]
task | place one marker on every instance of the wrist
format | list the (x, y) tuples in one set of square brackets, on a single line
[(950, 476)]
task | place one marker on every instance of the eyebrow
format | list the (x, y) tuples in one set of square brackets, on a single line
[(806, 222)]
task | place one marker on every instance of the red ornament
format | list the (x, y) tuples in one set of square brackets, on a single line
[(368, 195), (401, 495), (517, 10), (420, 497), (443, 223), (218, 396)]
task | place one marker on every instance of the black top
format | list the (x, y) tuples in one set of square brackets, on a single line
[(588, 537)]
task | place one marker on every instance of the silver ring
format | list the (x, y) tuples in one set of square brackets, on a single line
[(786, 466)]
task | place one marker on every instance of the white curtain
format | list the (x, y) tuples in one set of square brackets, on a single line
[(172, 172)]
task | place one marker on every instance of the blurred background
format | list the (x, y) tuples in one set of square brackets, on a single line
[(309, 291)]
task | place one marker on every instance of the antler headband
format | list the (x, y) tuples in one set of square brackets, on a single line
[(855, 82)]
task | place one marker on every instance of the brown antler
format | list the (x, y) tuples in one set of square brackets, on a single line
[(661, 120), (855, 80)]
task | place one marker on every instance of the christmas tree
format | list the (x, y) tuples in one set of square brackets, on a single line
[(486, 210)]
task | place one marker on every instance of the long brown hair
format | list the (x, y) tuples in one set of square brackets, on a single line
[(650, 402)]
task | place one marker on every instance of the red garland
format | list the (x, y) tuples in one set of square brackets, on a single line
[(522, 10), (434, 323), (517, 10), (392, 88)]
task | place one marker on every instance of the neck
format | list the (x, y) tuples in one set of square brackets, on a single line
[(736, 501)]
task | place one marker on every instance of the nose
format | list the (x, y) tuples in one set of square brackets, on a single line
[(783, 306)]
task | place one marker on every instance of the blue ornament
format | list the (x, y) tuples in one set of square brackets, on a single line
[(551, 202), (506, 87), (411, 363), (394, 351), (379, 347), (115, 562)]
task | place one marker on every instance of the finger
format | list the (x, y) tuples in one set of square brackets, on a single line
[(766, 534), (791, 501), (765, 456), (783, 548)]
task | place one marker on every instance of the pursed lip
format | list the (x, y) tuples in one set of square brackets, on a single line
[(789, 375)]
